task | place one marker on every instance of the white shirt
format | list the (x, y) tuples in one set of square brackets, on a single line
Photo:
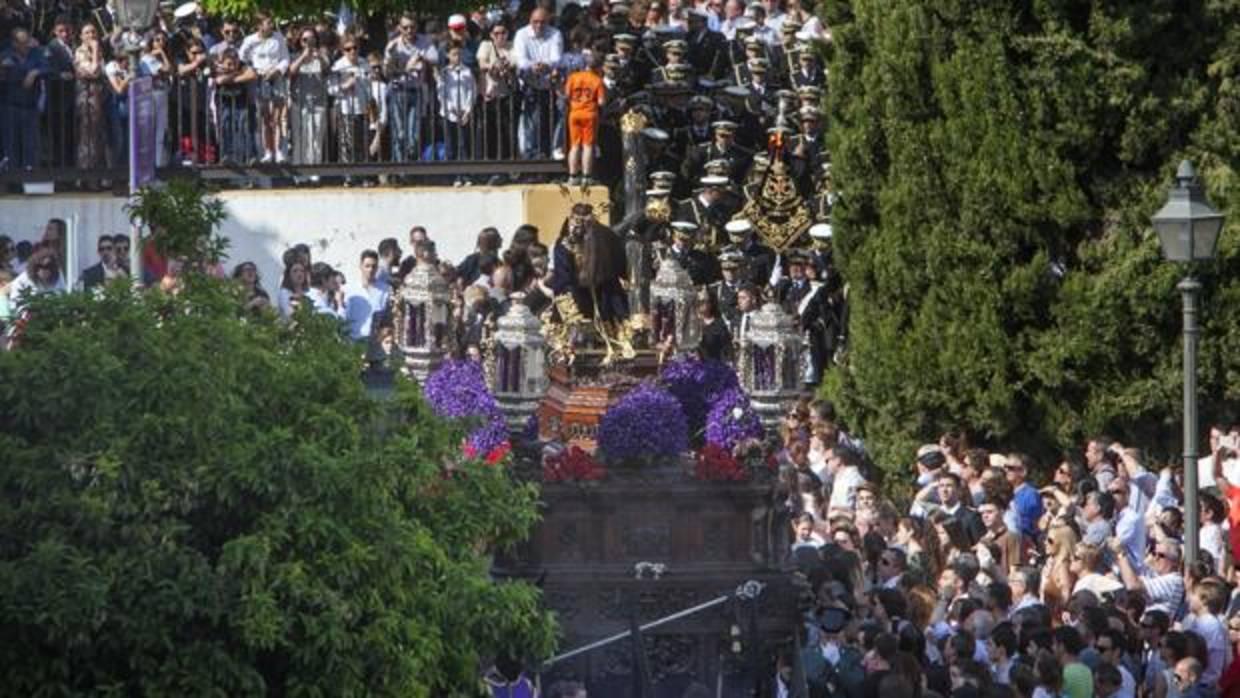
[(360, 305), (457, 92), (1214, 632), (24, 284), (285, 301), (529, 49), (351, 101), (323, 305), (1097, 583), (844, 488), (1211, 539), (1130, 529), (267, 54)]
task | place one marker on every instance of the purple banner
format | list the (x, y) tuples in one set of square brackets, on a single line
[(141, 133)]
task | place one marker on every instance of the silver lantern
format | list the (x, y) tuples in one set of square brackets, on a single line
[(424, 320), (769, 361), (673, 299), (517, 369)]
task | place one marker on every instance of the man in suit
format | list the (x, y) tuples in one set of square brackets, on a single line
[(106, 269)]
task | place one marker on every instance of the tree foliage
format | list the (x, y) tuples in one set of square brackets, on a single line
[(998, 164), (311, 10), (201, 502)]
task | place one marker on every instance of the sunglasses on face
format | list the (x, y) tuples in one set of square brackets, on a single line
[(350, 49)]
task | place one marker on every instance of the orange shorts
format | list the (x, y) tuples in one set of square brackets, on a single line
[(581, 128)]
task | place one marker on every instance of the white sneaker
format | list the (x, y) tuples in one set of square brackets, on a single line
[(557, 154), (280, 156), (268, 156)]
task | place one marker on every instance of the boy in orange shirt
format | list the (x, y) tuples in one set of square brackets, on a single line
[(585, 93)]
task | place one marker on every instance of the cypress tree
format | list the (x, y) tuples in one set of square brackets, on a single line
[(997, 165)]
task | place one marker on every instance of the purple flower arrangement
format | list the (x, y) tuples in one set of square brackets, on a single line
[(732, 420), (458, 390), (697, 384), (646, 424)]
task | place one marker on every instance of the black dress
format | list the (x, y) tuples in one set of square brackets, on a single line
[(716, 341)]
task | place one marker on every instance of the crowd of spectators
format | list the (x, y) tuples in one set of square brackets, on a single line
[(983, 584), (487, 85), (990, 586)]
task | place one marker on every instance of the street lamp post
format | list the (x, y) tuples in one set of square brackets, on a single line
[(1188, 229), (134, 16)]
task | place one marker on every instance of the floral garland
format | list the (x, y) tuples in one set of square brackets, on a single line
[(646, 424), (458, 390)]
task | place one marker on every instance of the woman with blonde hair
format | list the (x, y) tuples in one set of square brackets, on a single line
[(1057, 576)]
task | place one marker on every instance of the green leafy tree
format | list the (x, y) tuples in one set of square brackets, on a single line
[(314, 9), (198, 501), (997, 165)]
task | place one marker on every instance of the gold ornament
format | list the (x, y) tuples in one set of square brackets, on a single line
[(778, 212)]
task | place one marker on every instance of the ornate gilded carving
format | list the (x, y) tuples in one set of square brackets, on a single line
[(633, 121), (778, 212)]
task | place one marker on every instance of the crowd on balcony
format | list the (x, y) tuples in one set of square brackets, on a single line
[(490, 85)]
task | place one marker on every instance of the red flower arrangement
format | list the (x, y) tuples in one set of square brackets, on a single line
[(572, 464), (714, 462)]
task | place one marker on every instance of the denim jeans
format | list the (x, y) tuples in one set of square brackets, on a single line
[(558, 138), (404, 123), (458, 140), (534, 121), (234, 130)]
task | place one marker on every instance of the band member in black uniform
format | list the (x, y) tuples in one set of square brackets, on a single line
[(707, 49), (706, 211), (723, 147), (697, 132), (730, 201), (674, 50), (658, 155), (702, 267), (824, 193), (759, 260), (808, 73), (725, 290), (807, 150)]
